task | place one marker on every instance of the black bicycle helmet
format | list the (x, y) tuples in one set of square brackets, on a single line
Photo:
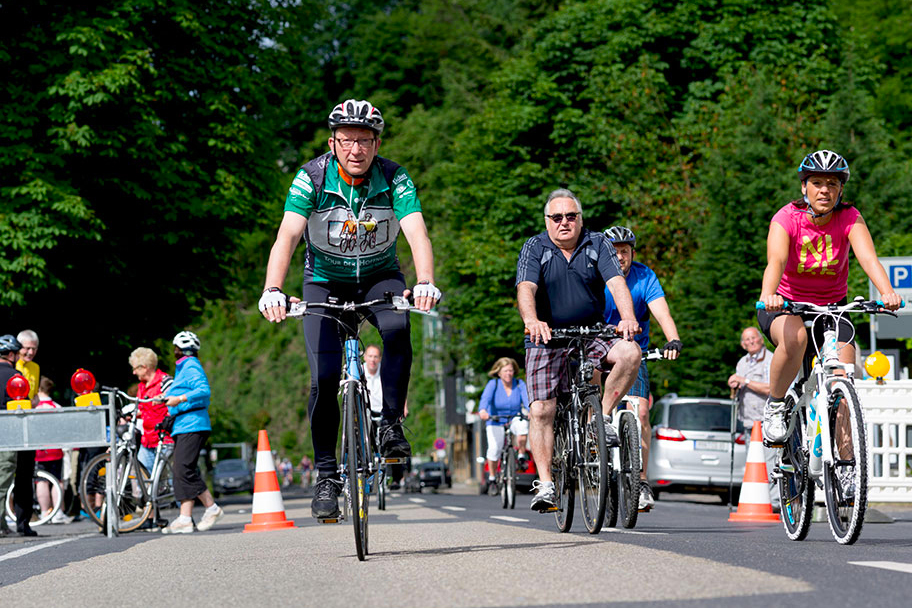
[(824, 161), (354, 113), (621, 234), (9, 344)]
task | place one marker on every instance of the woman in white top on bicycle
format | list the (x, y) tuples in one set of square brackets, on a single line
[(808, 261)]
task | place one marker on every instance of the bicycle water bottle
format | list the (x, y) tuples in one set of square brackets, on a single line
[(815, 464)]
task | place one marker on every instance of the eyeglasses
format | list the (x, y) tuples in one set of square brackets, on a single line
[(348, 144), (557, 218)]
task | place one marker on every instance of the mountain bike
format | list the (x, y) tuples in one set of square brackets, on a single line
[(138, 493), (505, 476), (360, 467), (814, 453), (626, 462), (580, 453), (38, 517)]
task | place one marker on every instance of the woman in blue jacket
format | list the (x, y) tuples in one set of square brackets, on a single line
[(504, 397), (188, 401)]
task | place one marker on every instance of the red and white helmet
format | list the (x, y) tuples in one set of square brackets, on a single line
[(354, 113)]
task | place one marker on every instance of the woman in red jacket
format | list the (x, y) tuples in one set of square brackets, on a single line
[(152, 382)]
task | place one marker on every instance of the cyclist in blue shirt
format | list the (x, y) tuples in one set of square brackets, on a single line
[(648, 297)]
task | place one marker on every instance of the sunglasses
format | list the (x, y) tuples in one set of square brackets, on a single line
[(557, 218)]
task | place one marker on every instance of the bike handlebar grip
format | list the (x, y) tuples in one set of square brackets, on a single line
[(760, 306)]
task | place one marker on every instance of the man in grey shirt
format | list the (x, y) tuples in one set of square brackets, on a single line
[(750, 385)]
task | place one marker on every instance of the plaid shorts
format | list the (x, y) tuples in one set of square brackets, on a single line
[(547, 373), (640, 386)]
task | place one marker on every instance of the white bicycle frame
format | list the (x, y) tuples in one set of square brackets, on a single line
[(816, 431)]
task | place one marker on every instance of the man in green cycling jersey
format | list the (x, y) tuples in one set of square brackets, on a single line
[(349, 206)]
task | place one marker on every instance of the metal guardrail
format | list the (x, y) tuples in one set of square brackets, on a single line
[(888, 417), (69, 427)]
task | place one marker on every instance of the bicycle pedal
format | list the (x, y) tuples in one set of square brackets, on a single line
[(330, 520), (770, 444), (393, 460)]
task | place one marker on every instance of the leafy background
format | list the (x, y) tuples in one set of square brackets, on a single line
[(147, 147)]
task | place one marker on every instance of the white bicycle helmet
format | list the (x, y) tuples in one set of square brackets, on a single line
[(621, 234), (354, 113), (187, 341)]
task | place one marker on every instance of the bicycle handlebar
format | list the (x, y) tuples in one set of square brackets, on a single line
[(599, 330), (297, 310), (653, 354), (859, 304), (520, 415)]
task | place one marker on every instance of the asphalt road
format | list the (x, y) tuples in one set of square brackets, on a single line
[(459, 549)]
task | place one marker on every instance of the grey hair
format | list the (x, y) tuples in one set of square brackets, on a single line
[(563, 193), (27, 335)]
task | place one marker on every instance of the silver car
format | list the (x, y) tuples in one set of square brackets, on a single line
[(691, 447)]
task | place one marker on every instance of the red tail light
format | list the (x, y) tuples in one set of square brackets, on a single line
[(670, 434), (741, 439)]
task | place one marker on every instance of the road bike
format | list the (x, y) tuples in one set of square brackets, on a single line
[(360, 467), (139, 494), (505, 476), (580, 453), (626, 461), (38, 517), (825, 422)]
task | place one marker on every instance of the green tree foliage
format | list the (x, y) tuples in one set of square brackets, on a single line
[(139, 143)]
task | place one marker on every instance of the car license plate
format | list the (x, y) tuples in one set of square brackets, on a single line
[(712, 446)]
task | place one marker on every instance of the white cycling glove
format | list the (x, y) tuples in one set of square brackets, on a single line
[(426, 290), (273, 297)]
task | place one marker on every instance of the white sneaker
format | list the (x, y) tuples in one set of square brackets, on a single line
[(209, 519), (545, 498), (846, 477), (178, 527), (61, 518), (647, 500), (775, 424)]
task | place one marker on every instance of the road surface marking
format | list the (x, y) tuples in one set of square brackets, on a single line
[(25, 551), (454, 508), (619, 531), (418, 500), (897, 566), (508, 518)]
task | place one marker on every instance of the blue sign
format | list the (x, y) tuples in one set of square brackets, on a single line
[(901, 276)]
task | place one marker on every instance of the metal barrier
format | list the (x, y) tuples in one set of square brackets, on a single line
[(69, 427), (888, 416)]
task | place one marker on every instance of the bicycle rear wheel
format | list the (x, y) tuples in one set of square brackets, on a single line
[(796, 490), (167, 507), (357, 464), (629, 474), (845, 481), (38, 517), (561, 466), (593, 469)]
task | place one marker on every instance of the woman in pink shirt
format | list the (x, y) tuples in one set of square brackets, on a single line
[(808, 261)]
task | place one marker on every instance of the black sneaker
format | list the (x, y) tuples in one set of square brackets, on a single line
[(393, 443), (611, 438), (325, 502)]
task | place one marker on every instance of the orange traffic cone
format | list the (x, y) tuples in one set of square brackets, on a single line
[(754, 502), (268, 508)]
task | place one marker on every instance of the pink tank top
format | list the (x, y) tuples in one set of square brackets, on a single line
[(817, 270)]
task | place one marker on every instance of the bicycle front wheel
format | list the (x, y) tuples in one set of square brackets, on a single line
[(593, 467), (561, 465), (131, 488), (38, 518), (796, 489), (357, 465), (845, 481), (629, 475), (380, 478)]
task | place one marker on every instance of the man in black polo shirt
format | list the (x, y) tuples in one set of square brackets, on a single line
[(561, 277), (24, 461)]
